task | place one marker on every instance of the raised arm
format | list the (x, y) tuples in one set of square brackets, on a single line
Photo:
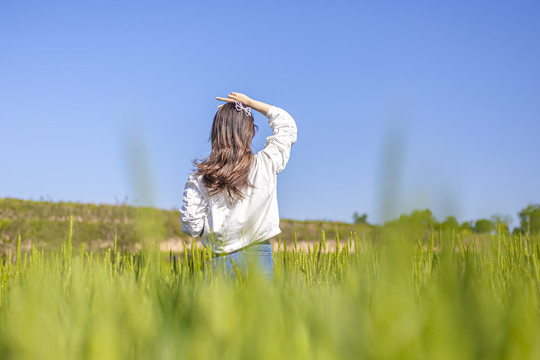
[(254, 104), (278, 146)]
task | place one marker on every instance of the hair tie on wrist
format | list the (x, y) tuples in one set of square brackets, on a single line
[(240, 107)]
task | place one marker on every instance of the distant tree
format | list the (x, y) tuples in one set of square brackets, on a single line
[(530, 219), (483, 226), (419, 219), (414, 226), (423, 218), (359, 219), (501, 222), (449, 224), (466, 226)]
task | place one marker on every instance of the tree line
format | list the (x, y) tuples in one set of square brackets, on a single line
[(529, 222)]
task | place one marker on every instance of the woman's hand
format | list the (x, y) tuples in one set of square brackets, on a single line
[(234, 96), (246, 101)]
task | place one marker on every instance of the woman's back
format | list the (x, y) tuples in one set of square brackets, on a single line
[(226, 225)]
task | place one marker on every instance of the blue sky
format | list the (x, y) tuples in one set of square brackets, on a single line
[(399, 105)]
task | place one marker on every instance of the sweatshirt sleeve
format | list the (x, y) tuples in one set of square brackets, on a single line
[(194, 210), (278, 145)]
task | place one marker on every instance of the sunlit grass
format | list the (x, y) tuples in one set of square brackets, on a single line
[(394, 298)]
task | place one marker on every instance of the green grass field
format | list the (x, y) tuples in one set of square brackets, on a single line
[(399, 297)]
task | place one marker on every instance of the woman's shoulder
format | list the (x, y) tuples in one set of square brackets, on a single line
[(194, 177), (196, 180)]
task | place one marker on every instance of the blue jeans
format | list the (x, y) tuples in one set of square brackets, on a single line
[(257, 255)]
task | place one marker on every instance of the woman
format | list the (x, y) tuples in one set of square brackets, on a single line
[(230, 200)]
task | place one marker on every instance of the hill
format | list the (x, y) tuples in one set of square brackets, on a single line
[(46, 225)]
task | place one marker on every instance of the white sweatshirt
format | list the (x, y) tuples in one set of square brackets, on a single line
[(255, 218)]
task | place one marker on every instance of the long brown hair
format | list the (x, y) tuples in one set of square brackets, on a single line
[(228, 165)]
